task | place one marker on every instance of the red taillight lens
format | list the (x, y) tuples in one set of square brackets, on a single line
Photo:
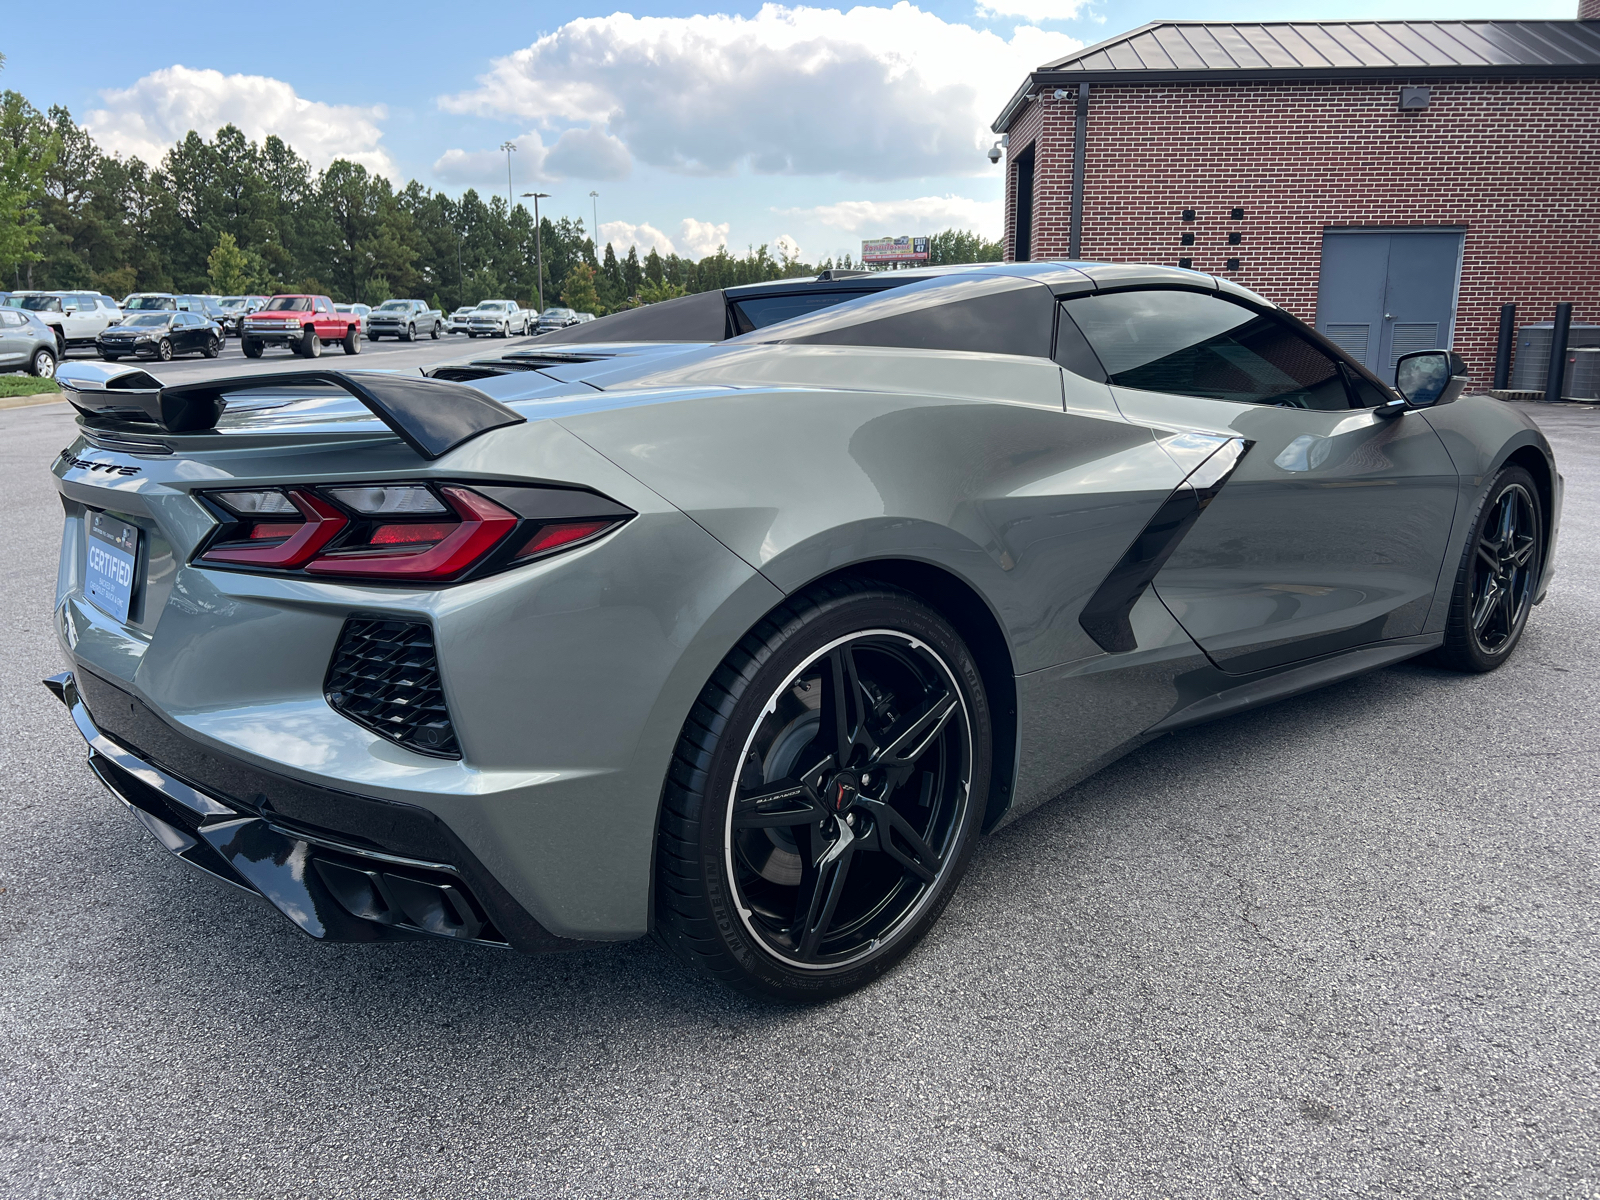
[(482, 525), (403, 532), (302, 541), (559, 534)]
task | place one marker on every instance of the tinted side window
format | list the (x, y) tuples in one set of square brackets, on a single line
[(1195, 344), (760, 311), (983, 315)]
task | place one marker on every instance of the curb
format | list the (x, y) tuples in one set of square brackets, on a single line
[(31, 401)]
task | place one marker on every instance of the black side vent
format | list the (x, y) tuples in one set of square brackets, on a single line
[(385, 675)]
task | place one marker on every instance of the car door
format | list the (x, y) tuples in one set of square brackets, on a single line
[(14, 340), (1331, 531)]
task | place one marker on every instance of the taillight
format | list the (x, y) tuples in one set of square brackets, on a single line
[(400, 533)]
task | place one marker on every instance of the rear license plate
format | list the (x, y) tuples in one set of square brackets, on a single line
[(113, 556)]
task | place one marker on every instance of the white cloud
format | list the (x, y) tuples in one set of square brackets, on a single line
[(162, 107), (872, 93), (892, 218), (1031, 10), (702, 237), (622, 234), (583, 152)]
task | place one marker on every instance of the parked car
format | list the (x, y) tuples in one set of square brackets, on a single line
[(27, 343), (163, 334), (360, 310), (235, 309), (751, 654), (209, 307), (149, 302), (303, 324), (460, 320), (76, 317), (404, 319), (556, 318), (583, 317), (497, 318)]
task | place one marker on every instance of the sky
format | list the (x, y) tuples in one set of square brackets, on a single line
[(802, 127)]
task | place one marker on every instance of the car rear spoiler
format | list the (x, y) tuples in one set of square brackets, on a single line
[(432, 416)]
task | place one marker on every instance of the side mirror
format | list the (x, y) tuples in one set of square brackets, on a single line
[(1430, 378)]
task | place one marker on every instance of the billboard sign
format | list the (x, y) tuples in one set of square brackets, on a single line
[(895, 250)]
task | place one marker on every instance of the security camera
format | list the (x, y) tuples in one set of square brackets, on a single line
[(994, 153), (1061, 95)]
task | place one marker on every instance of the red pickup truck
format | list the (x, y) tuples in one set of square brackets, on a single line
[(302, 323)]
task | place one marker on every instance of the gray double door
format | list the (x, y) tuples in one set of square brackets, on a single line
[(1384, 293)]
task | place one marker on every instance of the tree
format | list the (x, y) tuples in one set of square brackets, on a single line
[(655, 293), (28, 149), (579, 292), (234, 271)]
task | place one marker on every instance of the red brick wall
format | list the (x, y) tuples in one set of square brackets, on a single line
[(1589, 10), (1517, 162)]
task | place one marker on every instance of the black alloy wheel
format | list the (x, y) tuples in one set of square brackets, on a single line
[(811, 842), (1498, 576), (213, 347), (164, 349)]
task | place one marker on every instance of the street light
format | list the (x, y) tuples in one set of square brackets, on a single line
[(510, 149), (594, 198), (538, 242)]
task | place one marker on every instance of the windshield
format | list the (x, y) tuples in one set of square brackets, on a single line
[(40, 303), (288, 304), (141, 320), (491, 306), (557, 312), (233, 301), (394, 306), (148, 302)]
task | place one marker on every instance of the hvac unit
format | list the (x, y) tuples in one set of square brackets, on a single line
[(1583, 374), (1530, 369)]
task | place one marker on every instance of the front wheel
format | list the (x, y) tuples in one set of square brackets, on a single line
[(1497, 578), (251, 347), (812, 840), (311, 345), (411, 333), (164, 350)]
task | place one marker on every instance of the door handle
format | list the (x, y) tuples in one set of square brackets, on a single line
[(1388, 316)]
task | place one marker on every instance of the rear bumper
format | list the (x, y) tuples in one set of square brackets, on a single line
[(340, 867)]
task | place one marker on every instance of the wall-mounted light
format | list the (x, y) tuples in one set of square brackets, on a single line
[(1186, 264), (1238, 214), (1188, 214), (1414, 98), (1233, 264), (1187, 239), (1235, 238), (1060, 94)]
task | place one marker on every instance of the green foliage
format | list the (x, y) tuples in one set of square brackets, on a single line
[(28, 149), (579, 293), (235, 216), (26, 385)]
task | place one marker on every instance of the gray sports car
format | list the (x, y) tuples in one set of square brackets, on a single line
[(739, 618)]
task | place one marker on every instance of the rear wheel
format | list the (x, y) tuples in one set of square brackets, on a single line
[(436, 331), (352, 340), (1498, 575), (42, 364), (251, 347), (213, 347), (812, 840)]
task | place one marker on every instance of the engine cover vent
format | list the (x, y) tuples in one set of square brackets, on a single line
[(385, 676)]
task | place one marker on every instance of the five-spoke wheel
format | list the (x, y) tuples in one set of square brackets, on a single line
[(839, 799), (1498, 576)]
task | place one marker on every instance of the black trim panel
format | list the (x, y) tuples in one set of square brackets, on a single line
[(1106, 617)]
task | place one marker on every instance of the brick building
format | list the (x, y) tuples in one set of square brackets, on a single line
[(1393, 182)]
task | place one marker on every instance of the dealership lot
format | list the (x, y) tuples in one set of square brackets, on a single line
[(1343, 945), (386, 355)]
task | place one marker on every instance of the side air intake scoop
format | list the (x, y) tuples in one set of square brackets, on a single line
[(432, 416)]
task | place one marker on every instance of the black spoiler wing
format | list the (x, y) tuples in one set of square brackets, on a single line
[(432, 416)]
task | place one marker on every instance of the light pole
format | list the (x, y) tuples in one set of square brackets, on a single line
[(538, 242), (594, 198), (510, 148)]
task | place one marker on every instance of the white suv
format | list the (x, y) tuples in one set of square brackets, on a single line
[(78, 318)]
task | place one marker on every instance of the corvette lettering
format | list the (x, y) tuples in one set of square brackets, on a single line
[(84, 464)]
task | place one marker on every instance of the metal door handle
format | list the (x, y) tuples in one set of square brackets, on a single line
[(1388, 316)]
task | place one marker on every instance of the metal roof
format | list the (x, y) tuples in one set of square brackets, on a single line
[(1220, 52)]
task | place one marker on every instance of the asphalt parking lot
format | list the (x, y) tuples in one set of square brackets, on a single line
[(1343, 946)]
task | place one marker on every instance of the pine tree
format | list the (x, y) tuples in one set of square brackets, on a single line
[(579, 292)]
